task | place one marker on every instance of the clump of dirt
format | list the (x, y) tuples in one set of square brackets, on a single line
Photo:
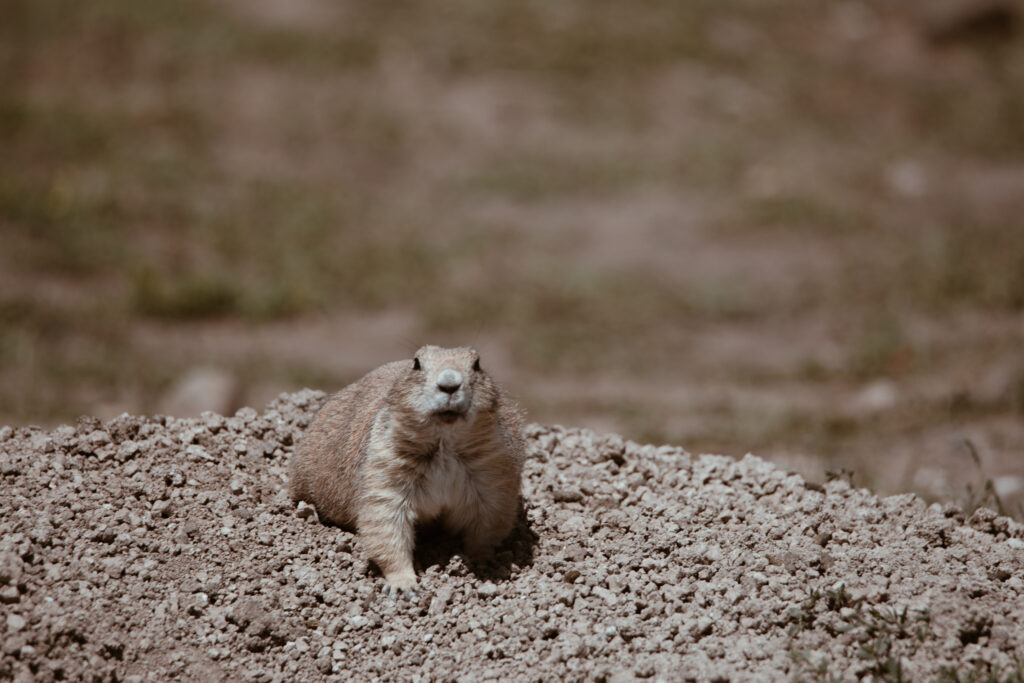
[(159, 548)]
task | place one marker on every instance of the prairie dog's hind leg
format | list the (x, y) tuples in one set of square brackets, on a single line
[(490, 527)]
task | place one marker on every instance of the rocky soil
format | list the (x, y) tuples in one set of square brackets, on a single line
[(159, 548)]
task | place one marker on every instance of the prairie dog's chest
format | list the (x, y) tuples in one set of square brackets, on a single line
[(446, 483)]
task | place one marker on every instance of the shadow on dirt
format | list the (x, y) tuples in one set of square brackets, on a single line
[(435, 547)]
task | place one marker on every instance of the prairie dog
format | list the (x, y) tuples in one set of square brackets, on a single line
[(431, 438)]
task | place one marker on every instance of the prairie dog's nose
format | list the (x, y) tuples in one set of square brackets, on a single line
[(449, 381)]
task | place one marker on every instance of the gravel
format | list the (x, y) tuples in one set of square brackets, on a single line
[(157, 548)]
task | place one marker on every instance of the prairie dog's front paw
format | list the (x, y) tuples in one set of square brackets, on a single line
[(402, 584)]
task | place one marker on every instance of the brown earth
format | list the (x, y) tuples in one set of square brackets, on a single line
[(164, 548), (791, 228)]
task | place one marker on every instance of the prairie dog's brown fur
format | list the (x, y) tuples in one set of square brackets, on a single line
[(432, 438)]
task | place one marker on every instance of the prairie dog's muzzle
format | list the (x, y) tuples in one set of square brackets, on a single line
[(449, 381)]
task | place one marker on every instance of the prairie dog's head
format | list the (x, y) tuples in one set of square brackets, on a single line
[(447, 384)]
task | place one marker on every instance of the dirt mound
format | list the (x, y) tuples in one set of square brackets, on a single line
[(158, 548)]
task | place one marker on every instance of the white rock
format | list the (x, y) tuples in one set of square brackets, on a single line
[(198, 390), (876, 397), (15, 622)]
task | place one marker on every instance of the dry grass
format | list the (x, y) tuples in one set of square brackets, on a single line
[(775, 205)]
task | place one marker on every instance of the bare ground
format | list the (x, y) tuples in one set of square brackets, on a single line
[(159, 548)]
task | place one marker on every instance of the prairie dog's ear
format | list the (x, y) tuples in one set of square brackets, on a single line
[(476, 364)]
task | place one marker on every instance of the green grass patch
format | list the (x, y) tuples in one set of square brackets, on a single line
[(884, 634), (532, 177), (577, 40), (801, 212), (987, 124), (965, 263), (579, 319), (880, 347), (190, 296)]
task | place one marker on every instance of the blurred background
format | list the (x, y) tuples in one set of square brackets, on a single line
[(792, 228)]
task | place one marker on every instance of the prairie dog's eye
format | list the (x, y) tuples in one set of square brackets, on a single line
[(476, 365), (416, 364)]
